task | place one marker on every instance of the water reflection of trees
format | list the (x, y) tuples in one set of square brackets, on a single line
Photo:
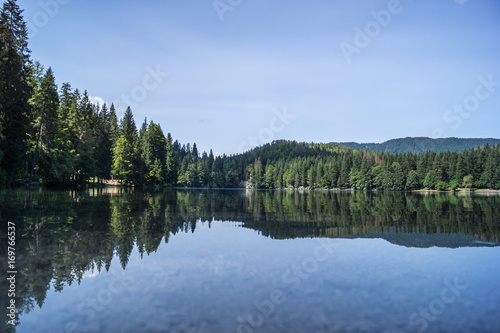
[(62, 235), (334, 214)]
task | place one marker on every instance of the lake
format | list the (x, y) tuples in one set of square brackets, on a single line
[(124, 260)]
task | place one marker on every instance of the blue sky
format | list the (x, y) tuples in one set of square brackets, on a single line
[(232, 74)]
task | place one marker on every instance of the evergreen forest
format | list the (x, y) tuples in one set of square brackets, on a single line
[(55, 135)]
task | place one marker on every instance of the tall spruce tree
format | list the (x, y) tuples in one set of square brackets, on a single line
[(113, 124), (85, 139), (488, 177), (14, 91), (171, 164), (144, 159), (154, 154), (345, 170), (127, 127), (124, 151), (123, 160), (104, 144), (53, 159)]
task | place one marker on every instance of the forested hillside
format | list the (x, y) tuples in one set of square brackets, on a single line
[(287, 164), (421, 145)]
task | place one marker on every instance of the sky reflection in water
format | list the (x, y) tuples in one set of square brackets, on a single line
[(227, 277)]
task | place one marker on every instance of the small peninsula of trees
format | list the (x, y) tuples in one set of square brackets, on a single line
[(58, 136)]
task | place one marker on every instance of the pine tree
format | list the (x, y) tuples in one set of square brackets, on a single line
[(269, 176), (51, 154), (104, 144), (497, 167), (437, 169), (488, 177), (171, 163), (14, 91), (128, 128), (155, 148), (311, 176), (460, 170), (36, 105), (123, 160), (200, 179), (345, 170), (50, 99), (113, 124), (84, 138), (53, 168), (125, 154), (191, 175), (194, 153), (145, 160), (157, 173), (68, 122), (210, 159)]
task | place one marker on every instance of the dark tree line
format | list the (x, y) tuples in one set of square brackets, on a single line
[(363, 170), (59, 136), (288, 164)]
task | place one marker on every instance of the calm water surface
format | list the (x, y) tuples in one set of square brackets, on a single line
[(252, 261)]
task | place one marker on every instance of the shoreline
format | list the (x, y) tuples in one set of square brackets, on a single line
[(148, 186)]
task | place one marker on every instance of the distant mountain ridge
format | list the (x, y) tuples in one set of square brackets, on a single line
[(421, 145)]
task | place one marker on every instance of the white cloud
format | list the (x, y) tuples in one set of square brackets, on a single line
[(96, 100), (90, 273)]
